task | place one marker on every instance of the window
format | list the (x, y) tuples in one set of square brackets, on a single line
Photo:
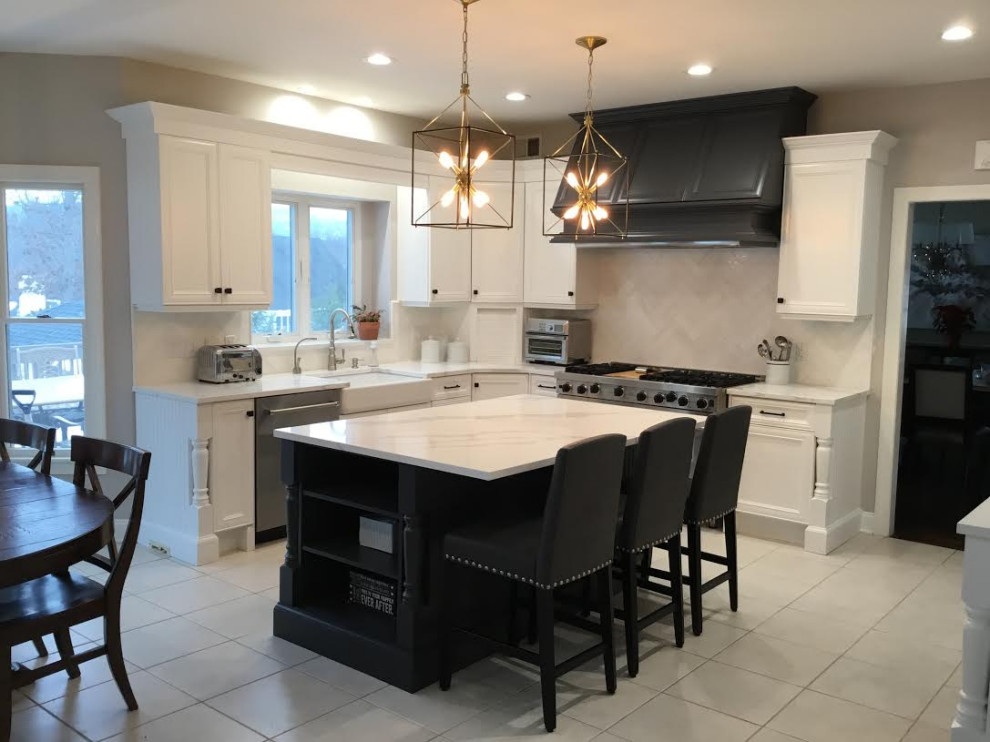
[(313, 267), (52, 348)]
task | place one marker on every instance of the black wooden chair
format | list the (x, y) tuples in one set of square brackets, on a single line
[(42, 441), (713, 498), (52, 604), (573, 540), (655, 496)]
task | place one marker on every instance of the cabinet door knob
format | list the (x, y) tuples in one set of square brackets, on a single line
[(780, 300), (476, 292), (435, 291), (250, 413), (476, 385), (228, 291), (218, 290), (570, 293)]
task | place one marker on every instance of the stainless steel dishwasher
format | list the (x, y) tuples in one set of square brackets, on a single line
[(282, 411)]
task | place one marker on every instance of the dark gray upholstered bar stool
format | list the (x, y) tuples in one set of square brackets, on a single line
[(573, 540), (714, 496), (654, 498)]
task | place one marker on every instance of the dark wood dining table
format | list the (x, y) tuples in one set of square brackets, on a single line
[(47, 524)]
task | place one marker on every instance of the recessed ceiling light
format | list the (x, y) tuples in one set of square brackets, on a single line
[(699, 70), (957, 33), (378, 59), (306, 89), (516, 96)]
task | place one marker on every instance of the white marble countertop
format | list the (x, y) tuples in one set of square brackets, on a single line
[(977, 523), (798, 393), (485, 440), (434, 370), (401, 372), (267, 386)]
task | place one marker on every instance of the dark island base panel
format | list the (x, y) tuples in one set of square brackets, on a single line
[(327, 493)]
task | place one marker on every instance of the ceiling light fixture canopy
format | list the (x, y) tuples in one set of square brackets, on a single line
[(591, 176), (456, 199)]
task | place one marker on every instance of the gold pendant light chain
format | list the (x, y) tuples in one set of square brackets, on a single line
[(465, 83)]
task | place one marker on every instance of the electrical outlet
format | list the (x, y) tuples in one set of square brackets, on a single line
[(159, 548), (982, 155)]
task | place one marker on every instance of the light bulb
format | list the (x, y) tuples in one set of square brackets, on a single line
[(465, 209), (481, 159), (481, 199), (585, 220), (448, 198), (446, 161), (602, 177), (572, 181), (572, 212), (600, 213)]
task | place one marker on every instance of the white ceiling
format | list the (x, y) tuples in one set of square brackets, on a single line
[(520, 45)]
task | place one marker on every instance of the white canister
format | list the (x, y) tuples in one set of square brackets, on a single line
[(429, 351), (457, 351), (778, 372)]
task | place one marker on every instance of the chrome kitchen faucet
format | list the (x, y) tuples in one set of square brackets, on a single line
[(333, 360)]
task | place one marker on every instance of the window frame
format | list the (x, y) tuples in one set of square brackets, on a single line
[(86, 179), (301, 204)]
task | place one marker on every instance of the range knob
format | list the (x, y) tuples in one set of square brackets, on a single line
[(641, 396), (702, 404), (565, 387), (682, 401), (582, 389), (595, 388), (618, 391), (671, 396), (658, 398)]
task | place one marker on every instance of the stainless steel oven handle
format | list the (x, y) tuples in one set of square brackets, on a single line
[(302, 407)]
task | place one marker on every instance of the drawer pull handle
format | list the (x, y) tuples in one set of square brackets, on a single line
[(775, 414), (545, 386), (455, 386)]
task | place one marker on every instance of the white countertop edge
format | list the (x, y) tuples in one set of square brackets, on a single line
[(822, 395), (199, 392), (286, 383), (486, 476), (977, 523)]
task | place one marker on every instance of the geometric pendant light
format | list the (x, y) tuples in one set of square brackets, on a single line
[(590, 175), (462, 139)]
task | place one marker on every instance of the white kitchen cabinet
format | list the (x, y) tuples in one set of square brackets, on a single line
[(386, 410), (780, 463), (543, 385), (555, 275), (497, 254), (231, 479), (246, 225), (830, 228), (490, 386), (199, 217), (803, 470), (434, 264)]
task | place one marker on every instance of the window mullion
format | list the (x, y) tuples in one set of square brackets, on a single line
[(304, 273), (4, 307)]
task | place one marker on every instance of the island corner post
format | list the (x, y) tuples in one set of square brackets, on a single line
[(327, 492)]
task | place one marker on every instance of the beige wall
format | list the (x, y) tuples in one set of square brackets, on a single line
[(52, 112)]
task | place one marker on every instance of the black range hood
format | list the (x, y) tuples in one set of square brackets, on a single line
[(702, 172)]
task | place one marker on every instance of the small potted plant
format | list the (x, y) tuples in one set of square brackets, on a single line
[(368, 322)]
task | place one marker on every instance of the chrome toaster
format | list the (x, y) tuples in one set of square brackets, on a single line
[(221, 364)]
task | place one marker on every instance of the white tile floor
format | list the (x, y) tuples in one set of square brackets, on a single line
[(864, 644)]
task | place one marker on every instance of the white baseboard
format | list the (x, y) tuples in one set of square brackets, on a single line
[(820, 540), (183, 547), (866, 522), (763, 526)]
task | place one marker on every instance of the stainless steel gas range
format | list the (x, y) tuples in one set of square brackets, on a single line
[(683, 389)]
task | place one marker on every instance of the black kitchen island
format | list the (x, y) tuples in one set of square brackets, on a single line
[(419, 473)]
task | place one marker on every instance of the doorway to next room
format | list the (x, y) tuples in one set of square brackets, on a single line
[(943, 469)]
